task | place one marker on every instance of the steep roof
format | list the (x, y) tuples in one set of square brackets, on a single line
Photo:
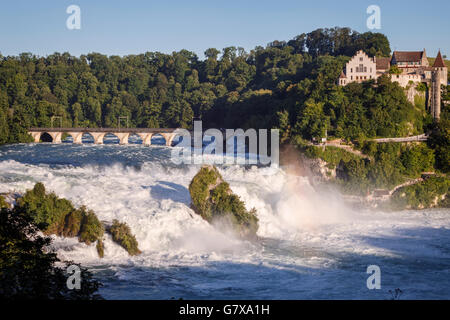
[(342, 76), (383, 63), (439, 62), (407, 56)]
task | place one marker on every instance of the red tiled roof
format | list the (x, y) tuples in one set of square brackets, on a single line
[(407, 56), (342, 76), (439, 62), (383, 63)]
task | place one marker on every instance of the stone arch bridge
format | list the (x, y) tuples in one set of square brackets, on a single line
[(99, 133)]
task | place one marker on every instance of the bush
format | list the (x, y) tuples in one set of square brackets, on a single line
[(27, 269), (213, 199), (73, 222), (426, 194), (122, 235), (3, 203), (47, 210), (58, 216), (91, 228)]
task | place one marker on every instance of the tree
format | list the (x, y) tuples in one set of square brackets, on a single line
[(28, 269)]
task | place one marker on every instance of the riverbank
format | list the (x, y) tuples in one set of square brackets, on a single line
[(391, 177)]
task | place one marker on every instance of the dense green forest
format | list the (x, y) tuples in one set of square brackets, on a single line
[(290, 85)]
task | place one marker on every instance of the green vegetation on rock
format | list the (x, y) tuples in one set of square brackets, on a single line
[(47, 210), (91, 228), (54, 215), (3, 203), (58, 216), (214, 201), (121, 234), (28, 268), (72, 223), (433, 192)]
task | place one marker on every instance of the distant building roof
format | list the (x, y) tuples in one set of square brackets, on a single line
[(439, 62), (342, 76), (407, 56), (383, 63)]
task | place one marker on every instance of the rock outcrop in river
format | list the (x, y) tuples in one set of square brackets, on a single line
[(213, 199), (54, 215)]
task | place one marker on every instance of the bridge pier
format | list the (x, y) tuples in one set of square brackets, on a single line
[(56, 136), (36, 135), (168, 137), (76, 136), (123, 137), (98, 137), (146, 138)]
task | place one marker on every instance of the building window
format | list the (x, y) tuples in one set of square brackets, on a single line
[(361, 59), (365, 69)]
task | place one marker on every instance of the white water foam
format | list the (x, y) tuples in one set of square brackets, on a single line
[(154, 201)]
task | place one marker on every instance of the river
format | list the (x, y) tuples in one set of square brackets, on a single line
[(312, 245)]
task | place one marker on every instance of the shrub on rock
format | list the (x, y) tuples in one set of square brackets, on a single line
[(214, 201), (73, 222), (91, 228), (121, 234), (48, 211)]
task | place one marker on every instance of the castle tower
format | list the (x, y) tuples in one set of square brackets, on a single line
[(435, 106), (438, 77), (440, 64)]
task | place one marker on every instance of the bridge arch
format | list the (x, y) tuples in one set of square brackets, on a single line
[(158, 139), (177, 138), (135, 138), (86, 137), (111, 138), (45, 137)]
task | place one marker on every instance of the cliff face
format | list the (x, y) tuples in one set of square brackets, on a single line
[(214, 201)]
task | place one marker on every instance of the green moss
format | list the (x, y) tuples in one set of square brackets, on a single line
[(213, 199), (121, 234), (3, 203), (91, 228)]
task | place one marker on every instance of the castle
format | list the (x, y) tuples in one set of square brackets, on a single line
[(412, 69)]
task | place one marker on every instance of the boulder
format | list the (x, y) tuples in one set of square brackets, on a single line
[(214, 201)]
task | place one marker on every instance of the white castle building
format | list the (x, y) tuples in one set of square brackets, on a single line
[(414, 69)]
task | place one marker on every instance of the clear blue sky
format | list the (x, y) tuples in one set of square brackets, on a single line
[(136, 26)]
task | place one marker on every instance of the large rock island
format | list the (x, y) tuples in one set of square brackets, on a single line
[(213, 199)]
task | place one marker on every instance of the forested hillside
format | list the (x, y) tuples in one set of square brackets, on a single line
[(290, 85)]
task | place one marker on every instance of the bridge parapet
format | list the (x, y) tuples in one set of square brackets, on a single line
[(99, 133)]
